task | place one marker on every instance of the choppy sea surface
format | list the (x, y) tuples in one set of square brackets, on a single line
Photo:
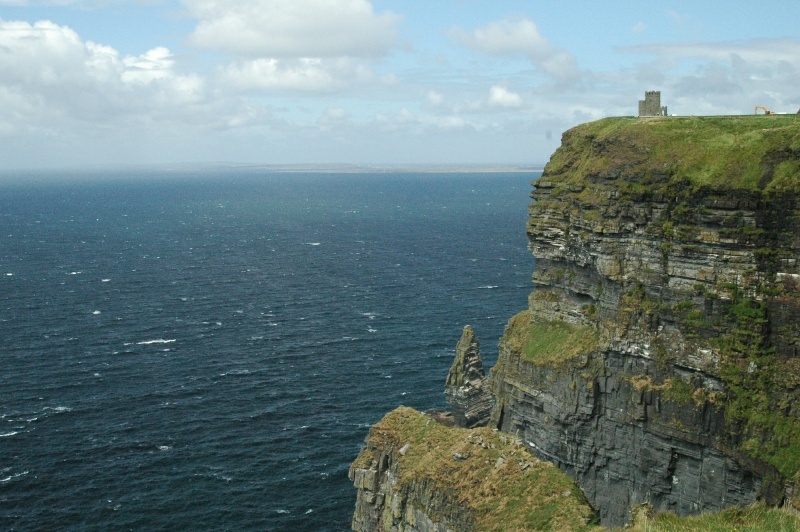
[(207, 350)]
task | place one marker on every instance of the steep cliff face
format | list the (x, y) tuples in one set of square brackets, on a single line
[(415, 474), (658, 359)]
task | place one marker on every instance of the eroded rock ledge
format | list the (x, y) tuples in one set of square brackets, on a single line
[(417, 475), (658, 361)]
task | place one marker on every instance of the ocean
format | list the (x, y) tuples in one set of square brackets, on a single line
[(207, 349)]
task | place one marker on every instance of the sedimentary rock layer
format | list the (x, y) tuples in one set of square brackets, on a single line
[(657, 362), (466, 388), (417, 475)]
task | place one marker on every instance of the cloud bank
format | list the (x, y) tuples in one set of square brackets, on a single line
[(262, 81)]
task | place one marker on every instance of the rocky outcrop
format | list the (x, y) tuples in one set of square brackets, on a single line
[(657, 362), (415, 474), (467, 389)]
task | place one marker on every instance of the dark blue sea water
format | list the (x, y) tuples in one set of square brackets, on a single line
[(208, 350)]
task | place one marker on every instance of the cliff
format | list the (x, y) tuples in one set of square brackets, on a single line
[(417, 474), (657, 362)]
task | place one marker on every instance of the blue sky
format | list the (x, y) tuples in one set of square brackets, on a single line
[(112, 82)]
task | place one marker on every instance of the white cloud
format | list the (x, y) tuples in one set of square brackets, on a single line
[(502, 97), (403, 120), (724, 77), (52, 80), (510, 36), (304, 75), (292, 29), (151, 65), (434, 98), (764, 51), (310, 46), (520, 36), (334, 116), (452, 122)]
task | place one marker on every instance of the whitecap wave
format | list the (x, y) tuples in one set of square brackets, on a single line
[(12, 477), (488, 287), (313, 243), (158, 341), (235, 372), (9, 434), (58, 409), (282, 511)]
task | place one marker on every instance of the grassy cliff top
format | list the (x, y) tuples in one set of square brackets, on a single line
[(491, 473), (751, 153), (757, 518), (506, 488)]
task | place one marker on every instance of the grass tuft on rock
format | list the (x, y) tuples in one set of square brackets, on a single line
[(746, 153), (503, 486), (757, 518), (550, 343)]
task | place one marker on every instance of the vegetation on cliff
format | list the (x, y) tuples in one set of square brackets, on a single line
[(658, 361), (491, 474), (715, 194), (757, 518), (549, 343), (753, 153)]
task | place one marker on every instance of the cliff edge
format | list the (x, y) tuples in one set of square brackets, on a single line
[(657, 363), (415, 474), (658, 359)]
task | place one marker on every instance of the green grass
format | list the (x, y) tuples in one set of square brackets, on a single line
[(518, 493), (756, 518), (522, 493), (752, 153), (549, 343)]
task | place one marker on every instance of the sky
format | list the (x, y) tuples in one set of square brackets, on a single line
[(98, 83)]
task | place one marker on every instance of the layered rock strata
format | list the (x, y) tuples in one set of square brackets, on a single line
[(415, 474), (466, 388), (657, 362)]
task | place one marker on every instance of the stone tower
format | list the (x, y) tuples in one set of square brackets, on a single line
[(651, 105)]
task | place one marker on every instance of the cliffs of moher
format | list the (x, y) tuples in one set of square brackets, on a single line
[(654, 378)]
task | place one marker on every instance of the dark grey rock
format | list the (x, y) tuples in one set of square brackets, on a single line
[(467, 389)]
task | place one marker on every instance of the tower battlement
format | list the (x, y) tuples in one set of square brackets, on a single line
[(651, 105)]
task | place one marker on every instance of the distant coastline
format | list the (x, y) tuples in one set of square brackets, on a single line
[(372, 168), (276, 169)]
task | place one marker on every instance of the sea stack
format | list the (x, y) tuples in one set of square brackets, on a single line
[(657, 363), (467, 390)]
